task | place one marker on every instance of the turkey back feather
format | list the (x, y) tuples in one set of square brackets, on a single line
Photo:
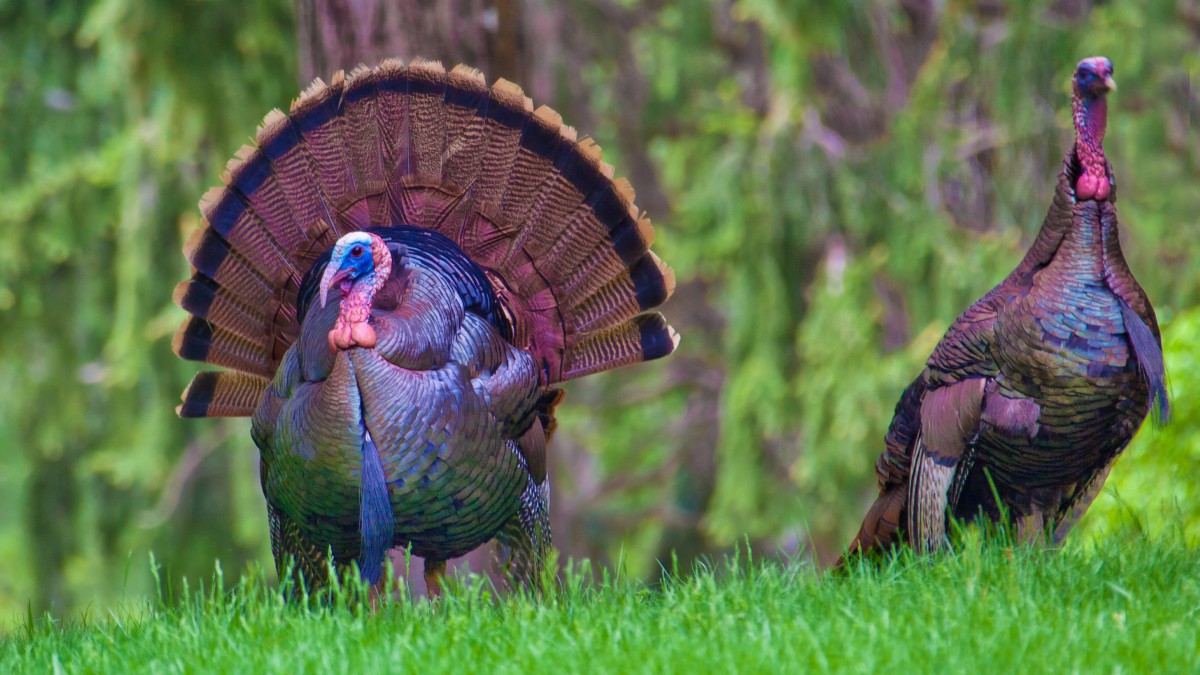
[(564, 251)]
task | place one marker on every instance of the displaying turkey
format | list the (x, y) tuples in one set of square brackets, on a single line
[(397, 277), (1037, 387)]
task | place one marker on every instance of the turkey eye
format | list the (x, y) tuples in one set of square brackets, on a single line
[(357, 251)]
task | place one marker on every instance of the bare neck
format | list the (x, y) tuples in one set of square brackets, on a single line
[(1091, 118)]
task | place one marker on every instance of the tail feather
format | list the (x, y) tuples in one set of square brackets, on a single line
[(645, 338), (427, 113), (248, 175), (630, 235), (568, 175), (199, 340), (562, 242), (213, 394), (210, 254), (230, 218), (508, 112), (532, 168), (279, 141), (205, 299), (646, 285), (468, 134), (316, 115), (257, 190), (363, 141), (392, 103), (559, 198), (467, 130)]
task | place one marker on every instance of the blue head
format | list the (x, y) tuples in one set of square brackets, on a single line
[(357, 258), (1094, 77)]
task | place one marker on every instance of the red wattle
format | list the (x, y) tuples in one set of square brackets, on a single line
[(1091, 185), (363, 335), (1085, 187), (340, 337)]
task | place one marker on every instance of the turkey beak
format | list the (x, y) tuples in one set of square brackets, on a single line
[(331, 277), (1110, 83)]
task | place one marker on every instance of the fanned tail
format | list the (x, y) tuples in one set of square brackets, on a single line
[(561, 241)]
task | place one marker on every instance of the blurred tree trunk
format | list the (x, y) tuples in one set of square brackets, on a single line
[(340, 34)]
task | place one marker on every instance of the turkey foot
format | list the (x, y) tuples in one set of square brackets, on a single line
[(435, 571)]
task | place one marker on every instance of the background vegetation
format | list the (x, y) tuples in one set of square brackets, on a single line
[(833, 182)]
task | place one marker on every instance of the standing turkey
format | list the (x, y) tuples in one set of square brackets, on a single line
[(1038, 386), (397, 277)]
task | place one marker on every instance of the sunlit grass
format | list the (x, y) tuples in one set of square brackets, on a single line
[(1133, 606)]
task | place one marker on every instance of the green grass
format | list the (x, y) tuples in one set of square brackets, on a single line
[(1105, 607)]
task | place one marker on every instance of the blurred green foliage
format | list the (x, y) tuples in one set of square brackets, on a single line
[(840, 181), (117, 115)]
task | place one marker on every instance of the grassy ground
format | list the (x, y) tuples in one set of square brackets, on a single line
[(1098, 608)]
